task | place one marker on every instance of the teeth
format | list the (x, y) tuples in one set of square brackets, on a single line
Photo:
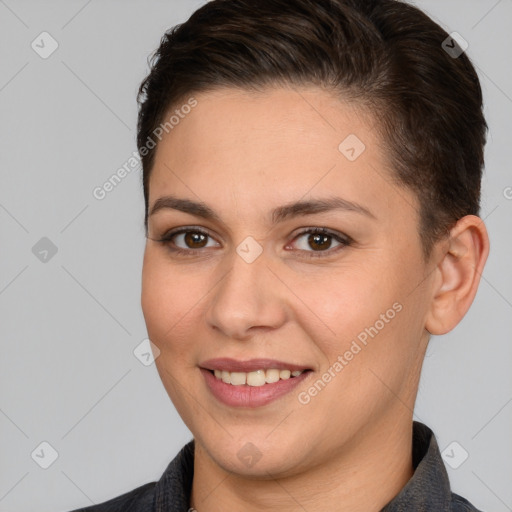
[(256, 378), (238, 378), (284, 374), (271, 376)]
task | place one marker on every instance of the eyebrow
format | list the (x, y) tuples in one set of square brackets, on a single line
[(279, 214)]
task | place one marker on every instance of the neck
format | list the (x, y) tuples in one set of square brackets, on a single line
[(364, 478)]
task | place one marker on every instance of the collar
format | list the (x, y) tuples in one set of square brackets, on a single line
[(427, 490), (429, 486)]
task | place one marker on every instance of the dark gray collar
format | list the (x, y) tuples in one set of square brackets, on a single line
[(429, 487)]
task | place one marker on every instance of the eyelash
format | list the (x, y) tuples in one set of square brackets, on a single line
[(344, 240)]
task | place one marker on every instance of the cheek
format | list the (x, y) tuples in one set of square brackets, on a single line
[(368, 318), (346, 301), (169, 301)]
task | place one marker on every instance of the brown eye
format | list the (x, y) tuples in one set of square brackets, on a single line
[(195, 239), (320, 241), (187, 240)]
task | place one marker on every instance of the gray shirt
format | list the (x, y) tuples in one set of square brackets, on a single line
[(427, 490)]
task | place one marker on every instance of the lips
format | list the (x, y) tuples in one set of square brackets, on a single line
[(233, 365), (254, 393)]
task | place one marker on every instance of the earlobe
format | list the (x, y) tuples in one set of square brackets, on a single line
[(459, 271)]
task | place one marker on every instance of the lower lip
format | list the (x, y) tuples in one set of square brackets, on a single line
[(250, 396)]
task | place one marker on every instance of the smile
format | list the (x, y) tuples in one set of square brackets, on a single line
[(255, 378)]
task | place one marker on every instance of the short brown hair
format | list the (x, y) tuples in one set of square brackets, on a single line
[(385, 55)]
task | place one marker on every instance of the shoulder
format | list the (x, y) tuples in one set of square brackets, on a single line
[(173, 489), (137, 500), (460, 504)]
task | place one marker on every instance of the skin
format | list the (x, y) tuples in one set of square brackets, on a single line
[(244, 154)]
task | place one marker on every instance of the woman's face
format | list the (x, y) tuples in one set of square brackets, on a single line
[(255, 282)]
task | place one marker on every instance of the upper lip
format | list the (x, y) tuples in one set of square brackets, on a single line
[(233, 365)]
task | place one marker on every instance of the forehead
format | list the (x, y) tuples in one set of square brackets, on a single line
[(270, 124), (271, 147)]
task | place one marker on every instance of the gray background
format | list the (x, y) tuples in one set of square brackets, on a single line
[(68, 375)]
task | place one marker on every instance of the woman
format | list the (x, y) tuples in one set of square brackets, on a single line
[(311, 172)]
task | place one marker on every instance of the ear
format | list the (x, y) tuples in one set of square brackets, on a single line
[(459, 269)]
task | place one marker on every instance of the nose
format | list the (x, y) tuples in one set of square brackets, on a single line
[(249, 299)]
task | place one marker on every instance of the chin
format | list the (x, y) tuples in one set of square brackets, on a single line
[(259, 458)]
